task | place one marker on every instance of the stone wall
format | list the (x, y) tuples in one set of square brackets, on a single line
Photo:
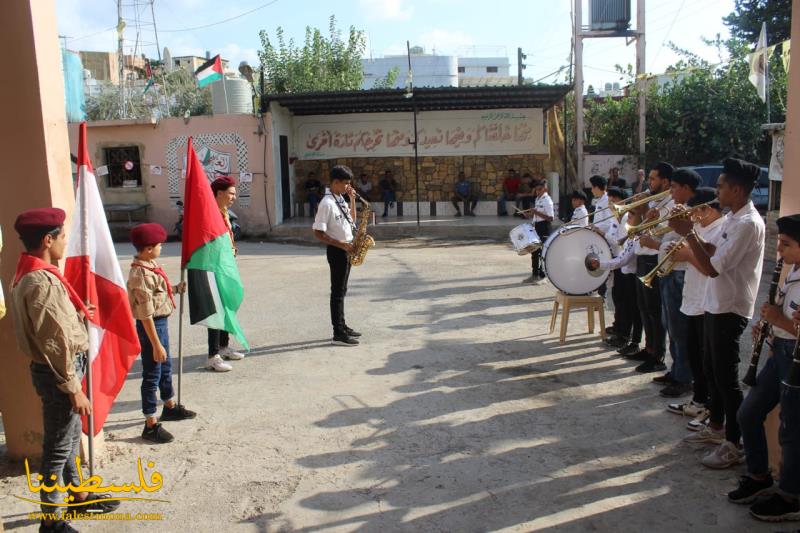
[(437, 175)]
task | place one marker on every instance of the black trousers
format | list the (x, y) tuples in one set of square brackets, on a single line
[(695, 350), (339, 264), (543, 230), (627, 319), (649, 302), (217, 339), (721, 366), (469, 203)]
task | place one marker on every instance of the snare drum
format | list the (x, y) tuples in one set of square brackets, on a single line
[(525, 239), (566, 254)]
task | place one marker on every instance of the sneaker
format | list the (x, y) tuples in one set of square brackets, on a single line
[(96, 503), (231, 355), (610, 330), (750, 489), (157, 434), (707, 435), (615, 341), (629, 349), (690, 408), (59, 526), (698, 422), (384, 215), (177, 413), (676, 390), (651, 365), (641, 355), (725, 455), (666, 379), (530, 280), (217, 364), (344, 340), (351, 332), (776, 509)]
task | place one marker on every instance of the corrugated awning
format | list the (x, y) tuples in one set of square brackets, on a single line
[(425, 99)]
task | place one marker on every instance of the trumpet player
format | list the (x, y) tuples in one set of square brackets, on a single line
[(733, 261), (768, 392)]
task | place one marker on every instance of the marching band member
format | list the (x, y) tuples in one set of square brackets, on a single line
[(543, 214), (601, 215), (612, 237), (768, 392), (733, 261), (580, 216)]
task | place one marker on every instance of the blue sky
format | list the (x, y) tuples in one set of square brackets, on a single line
[(541, 27)]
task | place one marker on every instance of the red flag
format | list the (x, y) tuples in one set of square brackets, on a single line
[(93, 270)]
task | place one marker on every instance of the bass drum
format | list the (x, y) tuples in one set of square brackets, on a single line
[(566, 256)]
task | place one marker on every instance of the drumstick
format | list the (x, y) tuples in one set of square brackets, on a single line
[(517, 209)]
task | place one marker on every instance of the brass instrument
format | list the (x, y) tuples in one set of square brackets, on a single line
[(645, 196), (648, 228), (618, 210), (664, 267), (361, 241)]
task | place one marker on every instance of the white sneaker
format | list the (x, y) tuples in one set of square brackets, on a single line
[(698, 422), (230, 355), (725, 455), (707, 435), (218, 365), (690, 408)]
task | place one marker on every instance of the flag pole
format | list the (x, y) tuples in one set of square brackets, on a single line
[(766, 70), (225, 92), (84, 192), (180, 339)]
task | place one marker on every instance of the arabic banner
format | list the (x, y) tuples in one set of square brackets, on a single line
[(441, 133)]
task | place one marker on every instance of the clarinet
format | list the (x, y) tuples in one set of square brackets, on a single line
[(793, 379), (764, 329)]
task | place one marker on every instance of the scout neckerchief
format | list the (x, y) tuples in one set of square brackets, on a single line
[(344, 213), (28, 263), (160, 272)]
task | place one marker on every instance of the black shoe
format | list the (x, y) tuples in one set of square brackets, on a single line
[(384, 215), (628, 349), (157, 434), (179, 412), (750, 489), (343, 339), (666, 379), (59, 526), (97, 503), (676, 390), (351, 332), (615, 341), (641, 355), (458, 213), (651, 365), (776, 509), (610, 330)]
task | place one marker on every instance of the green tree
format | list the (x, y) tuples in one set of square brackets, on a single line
[(324, 63), (388, 81), (745, 20)]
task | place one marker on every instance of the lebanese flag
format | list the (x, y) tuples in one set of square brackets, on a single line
[(209, 72), (95, 274), (215, 288)]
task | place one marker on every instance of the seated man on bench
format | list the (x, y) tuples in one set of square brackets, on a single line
[(465, 192)]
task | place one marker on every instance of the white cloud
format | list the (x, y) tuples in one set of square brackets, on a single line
[(386, 9)]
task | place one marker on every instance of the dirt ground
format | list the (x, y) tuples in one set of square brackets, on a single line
[(459, 412)]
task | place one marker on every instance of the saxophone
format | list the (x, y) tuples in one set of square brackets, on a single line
[(361, 241)]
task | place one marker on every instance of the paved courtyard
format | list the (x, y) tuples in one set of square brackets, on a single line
[(458, 413)]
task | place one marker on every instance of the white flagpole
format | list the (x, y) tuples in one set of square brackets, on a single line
[(766, 68), (84, 214), (180, 339), (225, 92)]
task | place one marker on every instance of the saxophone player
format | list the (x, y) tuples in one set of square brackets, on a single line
[(334, 226)]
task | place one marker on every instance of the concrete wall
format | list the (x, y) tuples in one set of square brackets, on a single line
[(280, 120), (163, 145), (429, 70), (790, 189)]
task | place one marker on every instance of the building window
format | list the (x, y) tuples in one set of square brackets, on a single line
[(462, 70), (491, 69), (124, 170)]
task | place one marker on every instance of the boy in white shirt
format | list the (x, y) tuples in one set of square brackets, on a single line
[(543, 215), (580, 216)]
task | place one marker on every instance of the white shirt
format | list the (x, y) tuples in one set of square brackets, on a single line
[(788, 298), (695, 283), (602, 213), (543, 204), (366, 187), (331, 220), (580, 216), (738, 257), (625, 261), (662, 250)]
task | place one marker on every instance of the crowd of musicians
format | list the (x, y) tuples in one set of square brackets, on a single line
[(685, 273)]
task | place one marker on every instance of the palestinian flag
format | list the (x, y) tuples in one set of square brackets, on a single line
[(215, 289), (209, 72), (149, 74), (93, 270)]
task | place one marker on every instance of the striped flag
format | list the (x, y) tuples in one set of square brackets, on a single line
[(95, 274), (209, 72), (215, 288)]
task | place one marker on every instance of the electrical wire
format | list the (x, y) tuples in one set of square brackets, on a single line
[(221, 21)]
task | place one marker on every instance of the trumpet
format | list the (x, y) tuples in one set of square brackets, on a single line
[(619, 210), (644, 196), (648, 228), (664, 267)]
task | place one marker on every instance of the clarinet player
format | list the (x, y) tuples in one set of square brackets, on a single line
[(770, 391)]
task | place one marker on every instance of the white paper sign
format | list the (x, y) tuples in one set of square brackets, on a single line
[(101, 171), (155, 170), (245, 177)]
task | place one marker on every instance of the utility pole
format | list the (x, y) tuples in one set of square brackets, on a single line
[(520, 66), (155, 29), (121, 60), (578, 24), (641, 80)]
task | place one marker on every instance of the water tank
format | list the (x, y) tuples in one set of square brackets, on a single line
[(609, 14), (240, 97)]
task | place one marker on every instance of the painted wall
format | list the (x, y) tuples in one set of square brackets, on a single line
[(230, 141), (601, 164)]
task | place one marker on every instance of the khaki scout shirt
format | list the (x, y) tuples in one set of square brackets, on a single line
[(48, 327), (147, 292)]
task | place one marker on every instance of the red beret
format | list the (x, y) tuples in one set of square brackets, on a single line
[(148, 234), (39, 220), (222, 183)]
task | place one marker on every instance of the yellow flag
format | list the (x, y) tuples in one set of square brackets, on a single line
[(785, 47)]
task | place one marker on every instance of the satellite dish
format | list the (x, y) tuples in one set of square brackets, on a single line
[(167, 59), (246, 71)]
